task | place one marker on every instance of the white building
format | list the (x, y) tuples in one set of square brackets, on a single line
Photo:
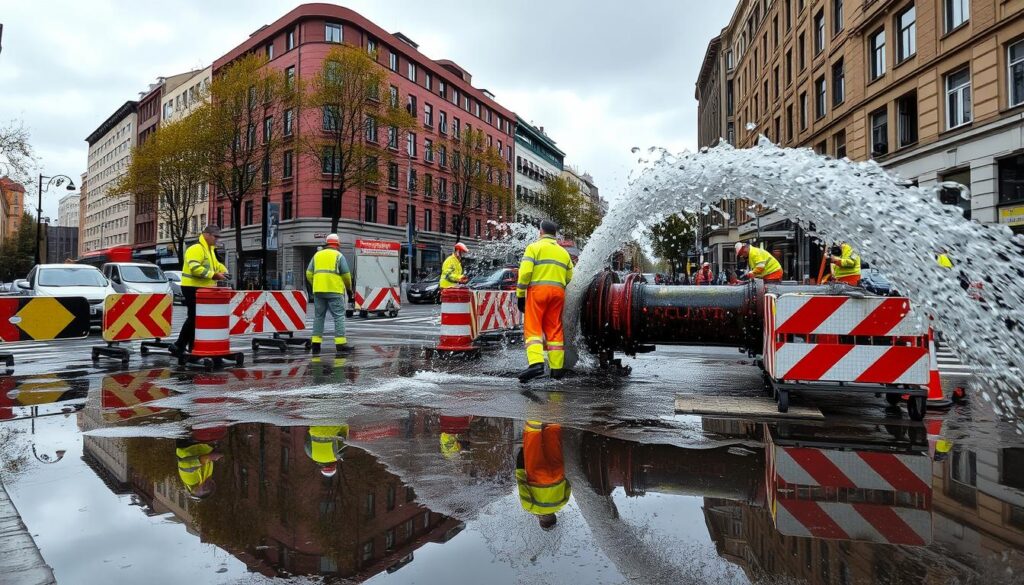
[(67, 210), (109, 221), (538, 160)]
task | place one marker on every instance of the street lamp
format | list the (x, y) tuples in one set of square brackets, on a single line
[(55, 181)]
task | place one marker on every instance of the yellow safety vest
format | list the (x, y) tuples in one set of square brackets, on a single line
[(546, 499), (451, 272), (544, 263), (325, 273), (200, 265), (325, 443), (191, 469), (944, 261), (769, 265), (849, 263)]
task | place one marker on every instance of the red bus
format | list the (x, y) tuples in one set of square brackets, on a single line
[(98, 258)]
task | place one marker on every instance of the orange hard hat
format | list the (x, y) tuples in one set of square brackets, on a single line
[(460, 247), (333, 240)]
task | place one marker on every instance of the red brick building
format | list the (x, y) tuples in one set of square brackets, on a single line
[(441, 96)]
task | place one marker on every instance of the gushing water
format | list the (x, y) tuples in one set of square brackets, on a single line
[(897, 229)]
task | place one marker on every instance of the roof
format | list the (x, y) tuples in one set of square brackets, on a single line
[(129, 107), (710, 59), (536, 134)]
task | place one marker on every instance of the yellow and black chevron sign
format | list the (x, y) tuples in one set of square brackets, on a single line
[(43, 318)]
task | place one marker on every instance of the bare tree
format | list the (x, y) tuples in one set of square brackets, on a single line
[(17, 157), (480, 176)]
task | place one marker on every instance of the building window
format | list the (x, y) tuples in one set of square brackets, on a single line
[(270, 51), (370, 209), (393, 175), (332, 33), (367, 551), (819, 98), (729, 63), (801, 47), (819, 31), (442, 122), (1011, 179), (956, 13), (410, 105), (775, 80), (393, 96), (330, 161), (1015, 59), (371, 129), (371, 47), (392, 213), (248, 213), (410, 144), (775, 31), (428, 115), (729, 98), (958, 98), (906, 119), (442, 225), (803, 111), (220, 217), (456, 132), (837, 17), (268, 126), (839, 144), (411, 180), (838, 83), (879, 132), (286, 165), (789, 68), (289, 77), (789, 122), (289, 42), (878, 53), (955, 196), (289, 116), (428, 185), (442, 89), (330, 203), (392, 60), (428, 150), (411, 71), (286, 206), (392, 137), (442, 155), (428, 225), (906, 24)]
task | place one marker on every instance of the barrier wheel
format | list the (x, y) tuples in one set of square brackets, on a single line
[(239, 360), (893, 399), (916, 407), (95, 355), (783, 396), (207, 364), (255, 345), (124, 361), (363, 314), (143, 351), (392, 313), (348, 313), (308, 345)]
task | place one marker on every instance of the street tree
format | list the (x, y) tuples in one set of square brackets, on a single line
[(241, 132), (576, 215), (480, 177), (17, 252), (673, 238), (345, 95), (167, 176), (17, 157)]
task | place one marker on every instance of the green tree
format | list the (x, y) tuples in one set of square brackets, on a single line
[(479, 176), (576, 215), (17, 252), (673, 238), (346, 96)]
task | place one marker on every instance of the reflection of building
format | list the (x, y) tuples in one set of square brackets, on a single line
[(538, 161)]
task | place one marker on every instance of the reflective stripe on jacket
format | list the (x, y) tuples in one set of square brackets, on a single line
[(324, 444), (451, 272), (200, 265), (849, 263), (192, 470), (544, 263), (542, 499), (761, 262), (327, 271)]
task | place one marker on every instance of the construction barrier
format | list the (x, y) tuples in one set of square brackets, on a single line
[(133, 316), (375, 278), (378, 300), (495, 312), (469, 317), (840, 494), (126, 396), (824, 343), (281, 313), (42, 319), (213, 327)]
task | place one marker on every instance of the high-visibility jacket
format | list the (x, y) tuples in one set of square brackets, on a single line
[(761, 262), (451, 272), (325, 444), (200, 265), (328, 272), (544, 263), (192, 469), (849, 263), (944, 261), (542, 499)]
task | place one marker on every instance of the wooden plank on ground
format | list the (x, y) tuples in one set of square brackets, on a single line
[(734, 406)]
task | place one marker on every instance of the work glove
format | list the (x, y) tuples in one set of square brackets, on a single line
[(464, 280), (521, 303)]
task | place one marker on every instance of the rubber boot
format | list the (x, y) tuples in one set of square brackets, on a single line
[(342, 348), (315, 347), (557, 374), (534, 371)]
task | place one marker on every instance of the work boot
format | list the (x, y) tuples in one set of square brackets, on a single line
[(342, 348), (315, 347), (531, 372), (557, 373)]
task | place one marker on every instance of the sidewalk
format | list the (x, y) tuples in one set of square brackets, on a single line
[(20, 560)]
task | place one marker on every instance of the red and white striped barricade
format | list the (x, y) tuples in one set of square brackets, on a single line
[(457, 323), (470, 318), (378, 300), (213, 330), (842, 343), (376, 278), (840, 494), (495, 314), (134, 316), (281, 313)]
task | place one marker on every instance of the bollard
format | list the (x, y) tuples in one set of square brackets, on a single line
[(213, 324), (457, 323)]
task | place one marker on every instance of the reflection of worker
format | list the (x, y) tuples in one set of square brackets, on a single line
[(325, 445), (329, 274), (760, 262), (540, 472), (544, 272), (195, 460), (453, 435), (201, 270), (845, 265), (451, 270)]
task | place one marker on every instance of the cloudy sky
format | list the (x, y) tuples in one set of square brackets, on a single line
[(601, 76)]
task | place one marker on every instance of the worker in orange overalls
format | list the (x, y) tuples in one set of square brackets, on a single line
[(540, 472), (760, 262), (544, 272)]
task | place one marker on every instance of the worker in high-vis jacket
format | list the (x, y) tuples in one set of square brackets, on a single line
[(760, 263), (325, 445), (200, 270), (540, 473), (845, 265), (329, 274), (451, 270), (544, 272)]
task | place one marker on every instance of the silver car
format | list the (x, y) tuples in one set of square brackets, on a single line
[(174, 279), (137, 277)]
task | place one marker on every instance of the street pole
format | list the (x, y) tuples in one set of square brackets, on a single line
[(57, 180), (264, 207)]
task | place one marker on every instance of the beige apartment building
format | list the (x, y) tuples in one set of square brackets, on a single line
[(108, 220), (931, 89)]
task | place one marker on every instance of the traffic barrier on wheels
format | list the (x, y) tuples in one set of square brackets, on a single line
[(377, 300), (470, 318), (41, 319), (280, 312), (130, 317), (213, 329), (496, 315)]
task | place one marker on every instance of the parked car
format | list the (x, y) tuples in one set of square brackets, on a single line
[(69, 280), (504, 278), (425, 290), (174, 279), (136, 277), (875, 282)]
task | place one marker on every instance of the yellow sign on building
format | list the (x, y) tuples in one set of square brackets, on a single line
[(1012, 215)]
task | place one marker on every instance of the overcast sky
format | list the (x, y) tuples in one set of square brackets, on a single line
[(601, 76)]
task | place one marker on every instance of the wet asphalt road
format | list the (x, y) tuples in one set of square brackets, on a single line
[(424, 490)]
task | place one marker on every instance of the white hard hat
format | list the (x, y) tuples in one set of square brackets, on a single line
[(333, 240), (739, 247)]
